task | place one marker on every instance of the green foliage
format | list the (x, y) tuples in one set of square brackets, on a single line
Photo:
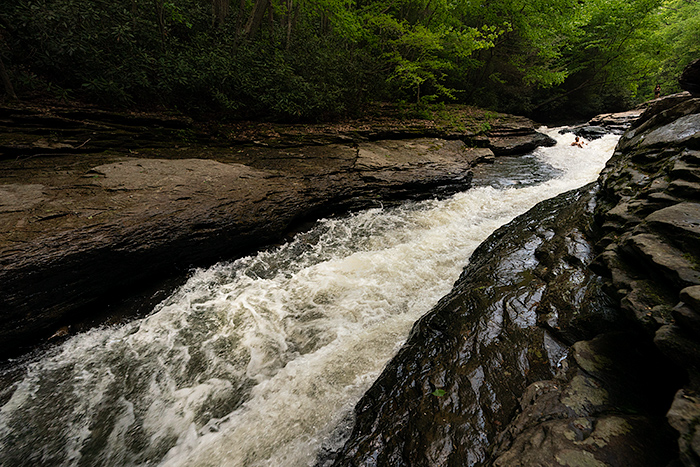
[(674, 42), (306, 59)]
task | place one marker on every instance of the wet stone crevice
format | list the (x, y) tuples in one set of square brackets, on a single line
[(572, 337)]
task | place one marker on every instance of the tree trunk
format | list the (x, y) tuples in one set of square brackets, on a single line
[(160, 19), (220, 10), (290, 6), (134, 11), (271, 17), (9, 90), (256, 17), (239, 20)]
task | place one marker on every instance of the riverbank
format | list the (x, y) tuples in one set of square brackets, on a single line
[(572, 337), (97, 207), (233, 367)]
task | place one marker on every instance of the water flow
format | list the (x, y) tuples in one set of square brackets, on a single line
[(259, 362)]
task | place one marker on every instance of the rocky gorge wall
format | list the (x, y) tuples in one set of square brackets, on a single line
[(98, 206), (572, 337)]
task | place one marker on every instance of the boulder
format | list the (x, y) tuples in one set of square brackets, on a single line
[(600, 125), (591, 131), (77, 231), (515, 136), (617, 122), (690, 78)]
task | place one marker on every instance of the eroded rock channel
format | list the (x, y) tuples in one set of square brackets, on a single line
[(96, 206), (572, 336)]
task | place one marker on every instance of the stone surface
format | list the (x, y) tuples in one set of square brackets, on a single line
[(600, 125), (590, 131), (96, 206), (508, 339), (517, 137), (690, 78), (658, 256), (578, 420), (684, 416), (617, 122), (662, 122), (550, 358), (691, 296)]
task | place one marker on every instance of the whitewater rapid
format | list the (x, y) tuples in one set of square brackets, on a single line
[(259, 362)]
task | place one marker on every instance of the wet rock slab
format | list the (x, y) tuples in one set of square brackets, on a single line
[(521, 364), (652, 252), (79, 231), (96, 206), (600, 125), (572, 337)]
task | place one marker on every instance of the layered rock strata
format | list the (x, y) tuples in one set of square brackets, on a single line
[(95, 206), (571, 338)]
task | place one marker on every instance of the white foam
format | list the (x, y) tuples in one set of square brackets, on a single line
[(256, 362)]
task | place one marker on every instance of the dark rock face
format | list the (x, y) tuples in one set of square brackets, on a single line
[(479, 347), (651, 216), (590, 132), (82, 224), (690, 78), (567, 336), (618, 122), (511, 338)]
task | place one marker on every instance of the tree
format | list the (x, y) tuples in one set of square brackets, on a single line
[(674, 42), (309, 58), (7, 83)]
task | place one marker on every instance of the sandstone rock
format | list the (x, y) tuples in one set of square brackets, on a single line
[(617, 122), (95, 205), (574, 422), (684, 416), (691, 296), (518, 144), (89, 231), (661, 256), (688, 318), (658, 260), (504, 331), (659, 128), (684, 130), (681, 223), (679, 346), (592, 131), (658, 106), (685, 189), (17, 197)]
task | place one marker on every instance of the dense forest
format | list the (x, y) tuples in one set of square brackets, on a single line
[(320, 59)]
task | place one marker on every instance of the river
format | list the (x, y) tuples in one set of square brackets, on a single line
[(260, 361)]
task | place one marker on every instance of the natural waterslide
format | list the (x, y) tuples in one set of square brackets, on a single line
[(260, 361)]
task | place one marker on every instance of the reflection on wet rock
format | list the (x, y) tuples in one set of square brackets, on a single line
[(568, 334)]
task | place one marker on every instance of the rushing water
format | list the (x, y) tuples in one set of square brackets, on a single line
[(259, 362)]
